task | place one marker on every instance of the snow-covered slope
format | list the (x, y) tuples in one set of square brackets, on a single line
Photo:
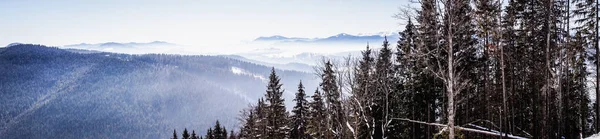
[(48, 92), (595, 136)]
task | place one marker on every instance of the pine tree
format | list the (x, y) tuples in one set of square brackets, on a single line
[(249, 124), (317, 121), (300, 114), (185, 134), (428, 88), (361, 95), (482, 72), (232, 135), (224, 133), (403, 103), (194, 136), (575, 99), (586, 12), (174, 134), (508, 47), (333, 101), (218, 131), (384, 79), (276, 115), (209, 134), (260, 129)]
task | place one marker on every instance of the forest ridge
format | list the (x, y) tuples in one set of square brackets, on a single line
[(461, 69)]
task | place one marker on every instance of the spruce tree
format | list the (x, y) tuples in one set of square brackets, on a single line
[(333, 100), (185, 134), (174, 134), (247, 130), (224, 133), (260, 129), (384, 87), (194, 136), (300, 114), (576, 98), (402, 98), (586, 13), (361, 94), (428, 88), (218, 131), (276, 115), (232, 135), (317, 121), (209, 134)]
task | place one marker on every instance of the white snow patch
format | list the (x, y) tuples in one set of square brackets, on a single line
[(595, 136), (240, 71)]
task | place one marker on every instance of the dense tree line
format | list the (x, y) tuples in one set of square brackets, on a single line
[(461, 68), (216, 132)]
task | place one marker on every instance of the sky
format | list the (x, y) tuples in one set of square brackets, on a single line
[(189, 22)]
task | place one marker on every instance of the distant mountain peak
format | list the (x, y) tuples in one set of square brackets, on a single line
[(13, 44), (129, 44), (341, 37), (271, 38), (343, 34)]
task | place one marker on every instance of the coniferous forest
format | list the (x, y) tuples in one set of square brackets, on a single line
[(461, 69)]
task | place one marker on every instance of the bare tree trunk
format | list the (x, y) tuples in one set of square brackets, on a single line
[(450, 81), (504, 110), (597, 120), (545, 93)]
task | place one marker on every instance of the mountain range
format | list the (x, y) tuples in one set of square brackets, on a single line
[(47, 92), (116, 44), (339, 38)]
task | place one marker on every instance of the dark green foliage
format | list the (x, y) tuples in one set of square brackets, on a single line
[(185, 134), (300, 113), (276, 114), (361, 94), (331, 92), (317, 121), (194, 136), (232, 135), (175, 135)]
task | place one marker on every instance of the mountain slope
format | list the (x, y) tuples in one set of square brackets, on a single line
[(339, 38), (53, 93)]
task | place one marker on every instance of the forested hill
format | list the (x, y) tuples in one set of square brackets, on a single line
[(47, 92)]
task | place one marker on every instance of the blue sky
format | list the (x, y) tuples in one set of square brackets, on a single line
[(188, 22)]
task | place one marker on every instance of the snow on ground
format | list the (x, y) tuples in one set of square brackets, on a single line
[(240, 71), (595, 136)]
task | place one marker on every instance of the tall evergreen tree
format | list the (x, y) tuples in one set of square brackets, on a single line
[(232, 135), (185, 134), (586, 16), (362, 94), (300, 114), (210, 134), (248, 127), (261, 121), (194, 136), (404, 102), (174, 134), (333, 100), (276, 114), (428, 88), (576, 98), (218, 131), (317, 121), (384, 88), (482, 70), (224, 133)]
